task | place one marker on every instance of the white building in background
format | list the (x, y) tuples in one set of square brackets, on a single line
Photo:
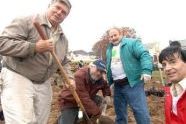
[(81, 55), (153, 48)]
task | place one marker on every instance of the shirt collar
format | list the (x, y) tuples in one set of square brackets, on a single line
[(182, 83), (44, 21)]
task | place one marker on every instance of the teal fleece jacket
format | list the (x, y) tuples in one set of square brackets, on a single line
[(135, 58)]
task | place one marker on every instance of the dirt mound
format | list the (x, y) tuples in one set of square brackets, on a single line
[(155, 104)]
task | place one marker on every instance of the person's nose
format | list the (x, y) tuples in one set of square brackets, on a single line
[(167, 68), (59, 12)]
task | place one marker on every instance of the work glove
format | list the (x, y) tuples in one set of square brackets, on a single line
[(107, 100), (146, 78)]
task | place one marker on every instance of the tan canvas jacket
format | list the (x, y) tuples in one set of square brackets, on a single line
[(17, 45)]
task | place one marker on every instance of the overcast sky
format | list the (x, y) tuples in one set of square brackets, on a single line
[(154, 20)]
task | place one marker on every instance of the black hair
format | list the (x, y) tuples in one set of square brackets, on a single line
[(169, 53), (175, 43)]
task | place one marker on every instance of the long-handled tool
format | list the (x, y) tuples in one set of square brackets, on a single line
[(160, 73), (104, 118), (63, 74)]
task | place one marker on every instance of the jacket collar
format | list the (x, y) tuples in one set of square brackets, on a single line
[(122, 42), (43, 20), (183, 83)]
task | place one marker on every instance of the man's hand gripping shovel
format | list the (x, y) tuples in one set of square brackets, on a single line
[(63, 74)]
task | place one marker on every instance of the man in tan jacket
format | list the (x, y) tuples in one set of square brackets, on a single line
[(27, 65)]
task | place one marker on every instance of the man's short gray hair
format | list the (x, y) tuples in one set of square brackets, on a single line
[(66, 2), (116, 28)]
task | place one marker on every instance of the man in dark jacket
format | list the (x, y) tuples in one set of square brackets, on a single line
[(89, 80)]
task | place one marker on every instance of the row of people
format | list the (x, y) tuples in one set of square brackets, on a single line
[(26, 91)]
